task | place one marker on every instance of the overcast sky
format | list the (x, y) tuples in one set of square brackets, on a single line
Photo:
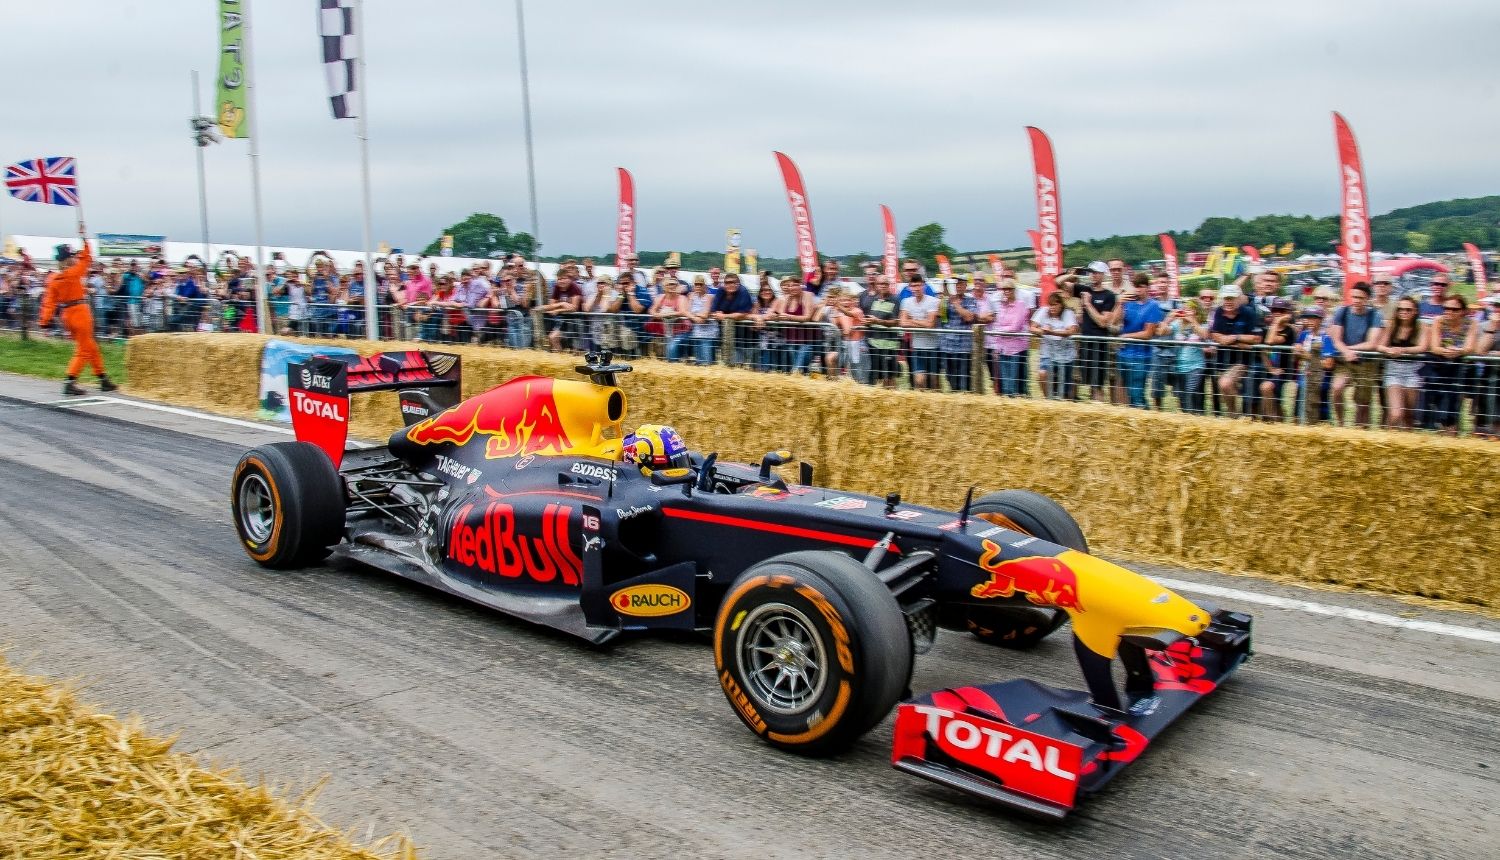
[(1162, 113)]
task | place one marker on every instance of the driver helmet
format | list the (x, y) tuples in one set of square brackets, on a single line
[(656, 446)]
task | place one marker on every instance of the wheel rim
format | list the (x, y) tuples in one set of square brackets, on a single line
[(785, 663), (257, 508)]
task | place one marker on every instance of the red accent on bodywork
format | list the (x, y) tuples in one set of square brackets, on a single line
[(1177, 668), (775, 528), (1023, 762), (322, 419), (498, 495), (1135, 744)]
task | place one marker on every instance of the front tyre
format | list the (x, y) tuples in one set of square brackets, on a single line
[(288, 504), (811, 650), (1023, 627)]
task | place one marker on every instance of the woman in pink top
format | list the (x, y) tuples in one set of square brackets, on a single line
[(1007, 342), (418, 285)]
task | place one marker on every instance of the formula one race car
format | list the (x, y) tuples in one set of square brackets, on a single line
[(531, 498)]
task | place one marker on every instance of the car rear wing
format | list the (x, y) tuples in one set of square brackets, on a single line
[(318, 390)]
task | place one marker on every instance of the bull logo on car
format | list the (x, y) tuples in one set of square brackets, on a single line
[(521, 417), (1044, 580)]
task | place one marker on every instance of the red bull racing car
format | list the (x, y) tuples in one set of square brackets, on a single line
[(531, 498)]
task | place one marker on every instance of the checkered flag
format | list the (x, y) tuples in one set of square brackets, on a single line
[(336, 26)]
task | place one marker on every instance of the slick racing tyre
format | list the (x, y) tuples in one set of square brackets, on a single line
[(811, 650), (1022, 627), (288, 503)]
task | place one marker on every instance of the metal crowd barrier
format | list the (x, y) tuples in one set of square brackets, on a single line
[(1276, 383)]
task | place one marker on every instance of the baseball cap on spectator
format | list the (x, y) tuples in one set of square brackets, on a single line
[(1492, 299), (1129, 292), (1382, 280), (1230, 291), (1281, 304), (1315, 313), (1098, 266), (1326, 292), (699, 279)]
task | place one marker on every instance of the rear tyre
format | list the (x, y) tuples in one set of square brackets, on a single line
[(288, 504), (1022, 627), (811, 650)]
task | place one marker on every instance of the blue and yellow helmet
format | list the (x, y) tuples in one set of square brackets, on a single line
[(656, 446)]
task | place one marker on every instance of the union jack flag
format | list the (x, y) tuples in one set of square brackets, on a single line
[(44, 180)]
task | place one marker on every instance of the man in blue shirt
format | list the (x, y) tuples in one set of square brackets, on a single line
[(188, 302), (734, 304), (1139, 322), (132, 287), (1235, 328), (320, 294), (911, 267)]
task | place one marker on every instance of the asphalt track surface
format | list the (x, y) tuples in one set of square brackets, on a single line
[(486, 737)]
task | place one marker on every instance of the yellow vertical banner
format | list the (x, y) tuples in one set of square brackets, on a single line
[(752, 262), (732, 250), (447, 245), (230, 103)]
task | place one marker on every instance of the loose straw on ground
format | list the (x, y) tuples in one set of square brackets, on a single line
[(78, 783)]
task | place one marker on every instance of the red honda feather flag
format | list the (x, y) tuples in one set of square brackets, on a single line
[(997, 267), (944, 267), (1481, 277), (796, 196), (892, 260), (1169, 250), (1048, 236), (1354, 228), (1250, 252), (1036, 248), (625, 226)]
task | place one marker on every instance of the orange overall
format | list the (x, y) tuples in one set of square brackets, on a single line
[(66, 294)]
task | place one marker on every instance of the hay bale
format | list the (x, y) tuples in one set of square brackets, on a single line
[(78, 783), (1399, 512)]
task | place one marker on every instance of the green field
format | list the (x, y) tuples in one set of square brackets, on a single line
[(47, 357)]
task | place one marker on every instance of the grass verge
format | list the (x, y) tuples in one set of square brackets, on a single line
[(47, 357), (78, 783)]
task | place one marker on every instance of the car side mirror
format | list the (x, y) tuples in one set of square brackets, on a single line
[(772, 459)]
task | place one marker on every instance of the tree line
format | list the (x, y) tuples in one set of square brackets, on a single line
[(1438, 227)]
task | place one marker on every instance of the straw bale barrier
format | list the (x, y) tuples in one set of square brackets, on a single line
[(76, 783), (1398, 512)]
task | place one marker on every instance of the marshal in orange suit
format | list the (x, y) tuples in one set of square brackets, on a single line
[(67, 297)]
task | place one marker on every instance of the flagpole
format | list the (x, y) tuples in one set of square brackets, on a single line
[(262, 306), (536, 231), (362, 131), (202, 180)]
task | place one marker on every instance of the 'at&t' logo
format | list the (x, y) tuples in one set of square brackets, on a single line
[(316, 406), (1045, 581), (491, 543), (649, 601), (316, 380)]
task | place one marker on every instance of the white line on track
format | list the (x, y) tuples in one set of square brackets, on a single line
[(1308, 606), (177, 410)]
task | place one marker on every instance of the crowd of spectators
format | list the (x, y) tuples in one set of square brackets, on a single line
[(1245, 349)]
